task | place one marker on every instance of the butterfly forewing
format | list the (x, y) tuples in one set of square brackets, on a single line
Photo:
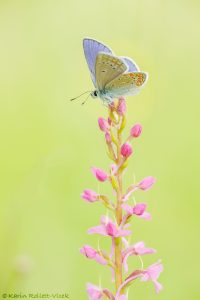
[(126, 84), (91, 49), (107, 68)]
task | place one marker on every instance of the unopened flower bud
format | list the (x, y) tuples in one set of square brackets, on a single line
[(89, 195), (126, 150), (146, 183), (99, 174), (139, 209), (121, 109), (108, 138), (136, 130), (103, 124), (88, 251)]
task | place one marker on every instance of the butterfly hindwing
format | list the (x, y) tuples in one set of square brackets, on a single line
[(132, 67), (107, 68), (91, 49), (126, 84)]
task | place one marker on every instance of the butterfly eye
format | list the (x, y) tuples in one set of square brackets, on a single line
[(95, 93)]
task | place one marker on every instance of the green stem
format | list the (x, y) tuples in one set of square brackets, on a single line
[(118, 214)]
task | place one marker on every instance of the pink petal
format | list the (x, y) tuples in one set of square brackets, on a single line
[(140, 249), (101, 260), (89, 195), (146, 216), (97, 229), (139, 209), (111, 229), (127, 208), (158, 286), (122, 232), (155, 270), (146, 183), (94, 292), (88, 251)]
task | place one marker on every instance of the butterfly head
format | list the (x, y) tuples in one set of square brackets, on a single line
[(94, 94)]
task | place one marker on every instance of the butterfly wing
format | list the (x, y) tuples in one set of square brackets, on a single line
[(132, 67), (91, 49), (127, 84), (107, 68)]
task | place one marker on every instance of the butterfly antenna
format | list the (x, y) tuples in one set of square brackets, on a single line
[(80, 95), (85, 100)]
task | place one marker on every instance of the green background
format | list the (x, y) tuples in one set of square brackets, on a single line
[(48, 144)]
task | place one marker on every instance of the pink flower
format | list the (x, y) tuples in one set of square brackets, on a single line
[(91, 253), (121, 109), (103, 124), (88, 251), (126, 150), (137, 249), (138, 210), (94, 292), (108, 228), (146, 183), (99, 174), (89, 195), (108, 138), (152, 273), (136, 131)]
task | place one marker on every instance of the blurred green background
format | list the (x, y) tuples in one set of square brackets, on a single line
[(48, 144)]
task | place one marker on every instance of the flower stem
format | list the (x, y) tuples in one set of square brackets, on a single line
[(118, 241)]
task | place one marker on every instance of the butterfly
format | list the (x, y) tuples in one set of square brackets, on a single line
[(113, 76)]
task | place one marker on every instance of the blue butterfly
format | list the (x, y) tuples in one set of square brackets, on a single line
[(112, 76)]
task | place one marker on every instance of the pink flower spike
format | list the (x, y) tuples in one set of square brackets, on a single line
[(103, 124), (121, 109), (152, 273), (136, 131), (99, 174), (94, 292), (126, 150), (146, 183), (88, 251), (89, 195)]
